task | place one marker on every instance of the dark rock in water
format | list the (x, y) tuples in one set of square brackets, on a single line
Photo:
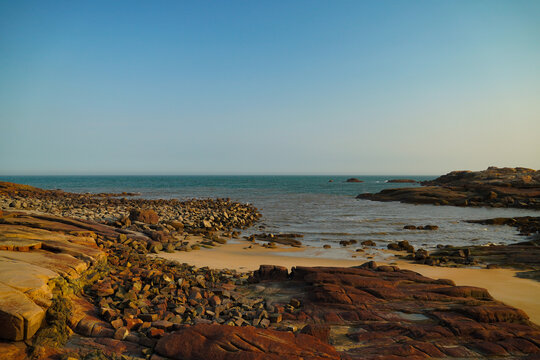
[(368, 243), (353, 180), (527, 225), (420, 227), (220, 342), (147, 216), (401, 246), (524, 255), (284, 239), (404, 245), (401, 181)]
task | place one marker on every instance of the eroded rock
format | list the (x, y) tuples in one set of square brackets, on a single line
[(221, 342)]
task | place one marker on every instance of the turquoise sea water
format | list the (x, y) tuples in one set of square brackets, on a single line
[(325, 212), (212, 186)]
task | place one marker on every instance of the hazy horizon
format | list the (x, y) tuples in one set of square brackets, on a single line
[(210, 174), (268, 87), (230, 174)]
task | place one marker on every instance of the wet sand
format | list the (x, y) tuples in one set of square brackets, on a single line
[(502, 284)]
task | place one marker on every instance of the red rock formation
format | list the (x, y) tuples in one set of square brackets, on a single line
[(496, 187), (221, 342), (393, 313)]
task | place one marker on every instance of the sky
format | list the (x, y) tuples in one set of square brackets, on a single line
[(268, 87)]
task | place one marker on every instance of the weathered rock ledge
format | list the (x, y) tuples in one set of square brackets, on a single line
[(493, 187), (383, 312)]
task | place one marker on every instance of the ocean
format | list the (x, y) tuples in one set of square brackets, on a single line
[(325, 212)]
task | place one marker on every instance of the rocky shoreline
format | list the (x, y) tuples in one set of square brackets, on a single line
[(493, 187), (523, 256), (78, 281)]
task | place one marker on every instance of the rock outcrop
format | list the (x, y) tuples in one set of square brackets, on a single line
[(382, 312), (35, 250), (242, 343), (523, 255), (494, 187)]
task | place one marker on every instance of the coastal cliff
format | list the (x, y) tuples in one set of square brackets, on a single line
[(494, 187)]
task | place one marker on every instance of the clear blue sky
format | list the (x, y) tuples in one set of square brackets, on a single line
[(225, 87)]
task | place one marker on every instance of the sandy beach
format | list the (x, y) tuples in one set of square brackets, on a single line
[(502, 284)]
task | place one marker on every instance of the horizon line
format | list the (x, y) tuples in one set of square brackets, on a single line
[(216, 174)]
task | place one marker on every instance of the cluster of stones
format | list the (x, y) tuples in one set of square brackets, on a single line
[(346, 243), (422, 256), (143, 298), (494, 187), (195, 214), (167, 236), (523, 255), (135, 299)]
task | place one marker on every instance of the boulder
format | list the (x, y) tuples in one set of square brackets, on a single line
[(368, 243), (147, 216), (271, 273)]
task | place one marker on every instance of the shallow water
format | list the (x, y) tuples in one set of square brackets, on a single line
[(325, 212)]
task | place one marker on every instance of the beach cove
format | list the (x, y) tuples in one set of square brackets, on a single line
[(148, 277), (502, 284)]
